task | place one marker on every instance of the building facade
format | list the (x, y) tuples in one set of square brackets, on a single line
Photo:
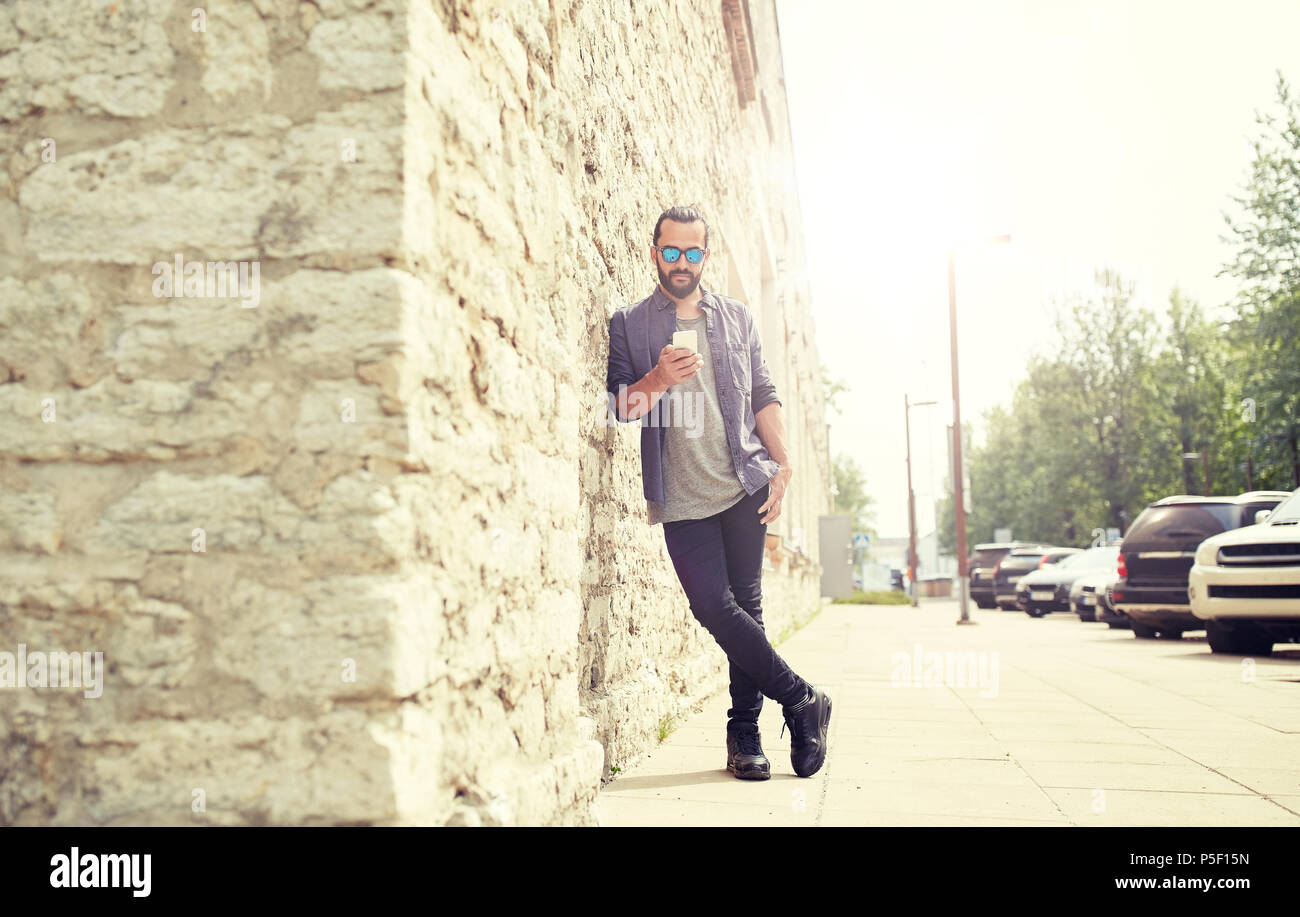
[(304, 313)]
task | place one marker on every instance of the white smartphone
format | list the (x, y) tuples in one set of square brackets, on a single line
[(686, 339)]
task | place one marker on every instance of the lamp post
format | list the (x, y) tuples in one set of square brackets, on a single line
[(911, 497), (959, 496)]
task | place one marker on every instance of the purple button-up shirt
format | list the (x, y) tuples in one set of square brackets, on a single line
[(636, 335)]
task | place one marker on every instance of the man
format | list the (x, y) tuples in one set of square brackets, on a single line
[(716, 484)]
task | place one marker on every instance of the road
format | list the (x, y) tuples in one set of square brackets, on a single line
[(1015, 721)]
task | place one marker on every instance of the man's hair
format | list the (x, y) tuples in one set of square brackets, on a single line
[(682, 215)]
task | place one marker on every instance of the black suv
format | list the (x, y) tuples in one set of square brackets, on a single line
[(982, 562), (1157, 552), (1017, 563)]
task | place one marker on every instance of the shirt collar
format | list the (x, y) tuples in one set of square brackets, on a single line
[(663, 302)]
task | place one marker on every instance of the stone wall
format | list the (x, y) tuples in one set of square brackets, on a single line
[(358, 545)]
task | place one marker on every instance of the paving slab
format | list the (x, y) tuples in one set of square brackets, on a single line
[(1137, 808), (1012, 722)]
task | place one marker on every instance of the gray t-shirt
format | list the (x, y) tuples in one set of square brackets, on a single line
[(699, 473)]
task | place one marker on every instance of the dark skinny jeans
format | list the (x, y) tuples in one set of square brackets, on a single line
[(719, 561)]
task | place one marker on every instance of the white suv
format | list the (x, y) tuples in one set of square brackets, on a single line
[(1245, 583)]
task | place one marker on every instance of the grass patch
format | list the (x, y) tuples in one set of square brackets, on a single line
[(879, 597), (789, 630)]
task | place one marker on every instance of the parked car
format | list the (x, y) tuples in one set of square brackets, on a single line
[(1107, 613), (983, 561), (1047, 589), (1083, 594), (1155, 557), (1088, 591), (896, 580), (1018, 563), (1245, 583)]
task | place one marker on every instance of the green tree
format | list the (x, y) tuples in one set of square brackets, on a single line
[(947, 513), (994, 478), (1267, 322), (1108, 399), (1100, 429), (1084, 436), (1190, 375), (851, 496), (831, 388)]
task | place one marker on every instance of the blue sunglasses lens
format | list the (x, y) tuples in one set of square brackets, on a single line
[(693, 255)]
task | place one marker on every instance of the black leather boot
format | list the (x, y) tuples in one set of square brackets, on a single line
[(745, 756), (808, 727)]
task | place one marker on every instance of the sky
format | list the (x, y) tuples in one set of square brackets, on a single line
[(1091, 132)]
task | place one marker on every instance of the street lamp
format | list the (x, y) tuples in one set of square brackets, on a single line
[(959, 496), (911, 497)]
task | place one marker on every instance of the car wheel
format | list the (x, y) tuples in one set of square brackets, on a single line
[(1115, 625), (1034, 612), (1237, 640), (1171, 635), (1142, 632), (1087, 616)]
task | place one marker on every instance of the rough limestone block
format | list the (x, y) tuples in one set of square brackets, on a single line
[(236, 53), (97, 58), (272, 189), (361, 51)]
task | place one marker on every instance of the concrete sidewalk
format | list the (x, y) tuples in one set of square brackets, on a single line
[(1016, 721)]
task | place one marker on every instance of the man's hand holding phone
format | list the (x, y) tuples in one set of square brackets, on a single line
[(677, 364)]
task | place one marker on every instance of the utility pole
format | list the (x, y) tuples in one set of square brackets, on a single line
[(959, 496), (1204, 456), (911, 497), (911, 506), (958, 491)]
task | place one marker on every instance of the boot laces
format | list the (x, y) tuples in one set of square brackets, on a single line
[(747, 743)]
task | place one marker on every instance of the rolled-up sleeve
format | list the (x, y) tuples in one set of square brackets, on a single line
[(620, 371), (764, 391)]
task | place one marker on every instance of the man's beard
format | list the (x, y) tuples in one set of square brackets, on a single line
[(677, 287)]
